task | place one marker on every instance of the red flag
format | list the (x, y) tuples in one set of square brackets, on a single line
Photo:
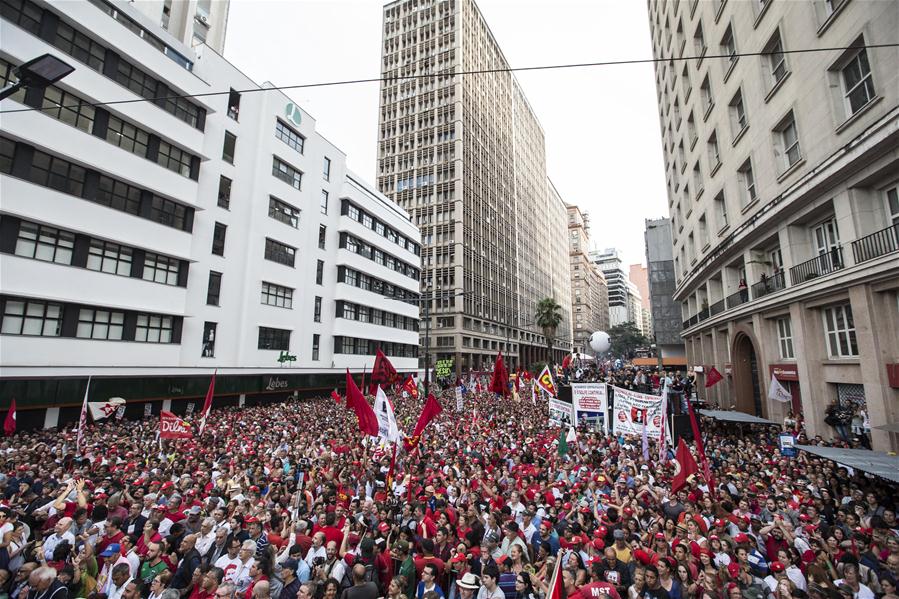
[(686, 466), (712, 377), (555, 584), (173, 427), (365, 415), (428, 413), (411, 387), (335, 396), (499, 382), (697, 438), (9, 425), (207, 405), (382, 373)]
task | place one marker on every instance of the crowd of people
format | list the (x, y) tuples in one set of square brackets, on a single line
[(288, 501)]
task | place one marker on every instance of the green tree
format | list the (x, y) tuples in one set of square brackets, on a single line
[(626, 338), (549, 317)]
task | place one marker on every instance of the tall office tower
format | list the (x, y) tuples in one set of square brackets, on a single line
[(621, 308), (192, 22), (666, 318), (782, 191), (464, 155), (589, 294), (639, 276)]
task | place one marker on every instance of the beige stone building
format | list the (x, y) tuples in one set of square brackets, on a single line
[(782, 174), (465, 156), (589, 292)]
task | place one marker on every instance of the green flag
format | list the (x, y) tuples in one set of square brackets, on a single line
[(563, 442)]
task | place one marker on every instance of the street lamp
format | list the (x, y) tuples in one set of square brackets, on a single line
[(38, 72)]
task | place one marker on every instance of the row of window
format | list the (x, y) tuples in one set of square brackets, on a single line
[(367, 347), (357, 214), (23, 161), (50, 244), (358, 246), (362, 313), (33, 317), (46, 25), (369, 283), (839, 332)]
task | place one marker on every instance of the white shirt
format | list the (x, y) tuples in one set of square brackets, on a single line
[(53, 540), (204, 542), (314, 553), (116, 592), (863, 591), (229, 566)]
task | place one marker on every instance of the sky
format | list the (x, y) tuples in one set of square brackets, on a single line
[(603, 145)]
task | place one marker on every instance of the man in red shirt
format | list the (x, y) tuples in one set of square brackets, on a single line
[(112, 534), (209, 582)]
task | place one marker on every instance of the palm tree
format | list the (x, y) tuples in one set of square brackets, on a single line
[(549, 317)]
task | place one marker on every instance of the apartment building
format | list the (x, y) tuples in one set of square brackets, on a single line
[(191, 22), (782, 188), (589, 293)]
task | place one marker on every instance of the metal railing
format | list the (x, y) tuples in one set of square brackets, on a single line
[(717, 308), (876, 244), (767, 285), (817, 266), (735, 299)]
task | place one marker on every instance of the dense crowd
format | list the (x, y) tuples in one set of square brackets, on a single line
[(286, 501)]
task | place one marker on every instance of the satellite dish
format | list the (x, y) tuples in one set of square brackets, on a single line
[(600, 342)]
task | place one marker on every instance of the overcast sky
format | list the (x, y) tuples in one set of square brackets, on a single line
[(603, 147)]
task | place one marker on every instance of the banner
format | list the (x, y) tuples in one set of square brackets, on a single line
[(104, 409), (560, 413), (590, 405), (778, 392), (443, 368), (545, 382), (387, 428), (632, 409), (148, 409), (173, 427), (459, 401), (787, 445)]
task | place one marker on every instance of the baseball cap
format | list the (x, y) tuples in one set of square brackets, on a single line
[(111, 549), (384, 527), (777, 567)]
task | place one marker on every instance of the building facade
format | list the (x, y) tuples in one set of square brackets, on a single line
[(148, 243), (666, 313), (191, 22), (589, 295), (465, 156), (639, 276), (782, 188), (622, 307)]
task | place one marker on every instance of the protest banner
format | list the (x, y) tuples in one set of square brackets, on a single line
[(173, 427), (632, 409), (561, 413), (459, 401), (590, 405)]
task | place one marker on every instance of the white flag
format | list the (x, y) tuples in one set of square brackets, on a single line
[(82, 420), (778, 392), (104, 409), (571, 437), (387, 428)]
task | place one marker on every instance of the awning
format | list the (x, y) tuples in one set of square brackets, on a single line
[(741, 417), (874, 462), (890, 427)]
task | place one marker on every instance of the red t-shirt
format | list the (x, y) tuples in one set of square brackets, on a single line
[(589, 591), (103, 542)]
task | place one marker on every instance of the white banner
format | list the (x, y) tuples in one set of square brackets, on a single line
[(459, 401), (560, 413), (387, 427), (590, 405), (104, 409), (632, 409)]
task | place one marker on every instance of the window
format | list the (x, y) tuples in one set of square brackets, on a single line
[(319, 272), (209, 329), (45, 243), (858, 84), (31, 317), (714, 154), (118, 195), (174, 159), (317, 310), (67, 108), (56, 173), (154, 328), (747, 179), (706, 91), (224, 200), (785, 338), (729, 49), (169, 213), (685, 81), (738, 119), (76, 44), (279, 252), (892, 198), (105, 256), (277, 295), (289, 136), (127, 136), (324, 202), (316, 342), (228, 147), (276, 339), (326, 169), (287, 173), (283, 212), (721, 210), (840, 331), (699, 46), (213, 288), (322, 236), (160, 269), (100, 324), (691, 130), (777, 61), (218, 239), (233, 104), (697, 179), (827, 237), (788, 141)]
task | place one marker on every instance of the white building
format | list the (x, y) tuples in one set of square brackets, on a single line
[(191, 21), (147, 243)]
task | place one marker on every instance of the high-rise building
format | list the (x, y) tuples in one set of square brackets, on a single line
[(465, 156), (666, 316), (589, 294), (639, 276), (147, 243), (782, 190), (191, 22), (621, 306)]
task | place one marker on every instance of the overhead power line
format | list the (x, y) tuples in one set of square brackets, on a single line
[(573, 65)]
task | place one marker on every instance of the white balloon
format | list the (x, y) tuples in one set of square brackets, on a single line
[(600, 342)]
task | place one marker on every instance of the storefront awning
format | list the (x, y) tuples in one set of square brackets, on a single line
[(874, 462), (890, 427), (740, 417)]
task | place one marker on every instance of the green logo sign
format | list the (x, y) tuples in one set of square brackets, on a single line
[(286, 357), (443, 368), (292, 112)]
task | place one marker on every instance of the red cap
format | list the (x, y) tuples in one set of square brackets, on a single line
[(599, 544), (384, 527), (741, 538), (167, 485), (660, 536), (252, 520), (733, 569), (777, 567)]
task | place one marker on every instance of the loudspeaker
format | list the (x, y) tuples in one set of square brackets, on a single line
[(682, 429)]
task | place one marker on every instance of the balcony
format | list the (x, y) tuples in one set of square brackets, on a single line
[(876, 244), (735, 299), (818, 266), (717, 308), (767, 285)]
